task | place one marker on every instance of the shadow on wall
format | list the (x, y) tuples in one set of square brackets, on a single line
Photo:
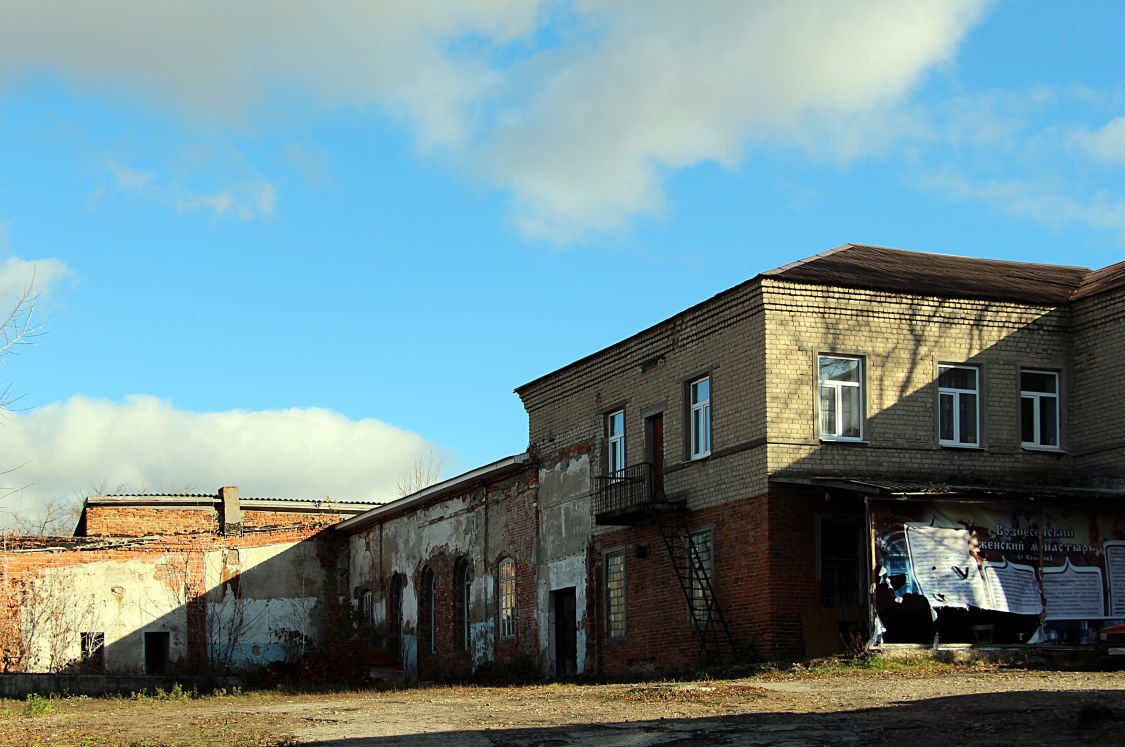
[(174, 610)]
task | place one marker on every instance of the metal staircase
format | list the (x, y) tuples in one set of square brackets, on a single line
[(691, 566)]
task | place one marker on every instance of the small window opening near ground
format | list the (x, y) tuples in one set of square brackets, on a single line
[(615, 436), (839, 552), (701, 554), (462, 585), (93, 652), (841, 397), (157, 649), (615, 594), (507, 572), (958, 405), (699, 396), (1039, 409)]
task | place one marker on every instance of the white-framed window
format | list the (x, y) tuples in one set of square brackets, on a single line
[(615, 435), (841, 397), (958, 405), (1039, 409), (615, 594), (699, 396), (507, 573)]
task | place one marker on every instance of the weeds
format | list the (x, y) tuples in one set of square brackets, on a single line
[(36, 705)]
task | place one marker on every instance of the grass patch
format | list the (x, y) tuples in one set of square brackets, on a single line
[(36, 705), (868, 662)]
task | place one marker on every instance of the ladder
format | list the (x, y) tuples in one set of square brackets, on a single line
[(715, 641)]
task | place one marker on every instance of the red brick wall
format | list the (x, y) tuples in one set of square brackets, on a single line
[(131, 521), (764, 578), (259, 519)]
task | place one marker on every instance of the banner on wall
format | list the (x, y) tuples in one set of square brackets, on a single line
[(1026, 559)]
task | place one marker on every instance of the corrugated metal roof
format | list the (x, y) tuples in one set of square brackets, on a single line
[(895, 270)]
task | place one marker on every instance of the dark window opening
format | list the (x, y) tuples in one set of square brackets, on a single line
[(426, 611), (462, 584), (840, 554), (93, 652)]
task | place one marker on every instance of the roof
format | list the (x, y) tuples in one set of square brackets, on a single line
[(895, 270), (330, 505), (492, 471), (921, 273)]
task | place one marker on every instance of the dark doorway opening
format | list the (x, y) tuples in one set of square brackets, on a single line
[(566, 632), (654, 453), (156, 652)]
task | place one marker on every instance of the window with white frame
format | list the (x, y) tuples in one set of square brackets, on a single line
[(507, 598), (841, 397), (958, 405), (699, 395), (1039, 409), (615, 435), (615, 594)]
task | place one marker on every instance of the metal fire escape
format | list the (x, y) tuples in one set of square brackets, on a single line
[(634, 495)]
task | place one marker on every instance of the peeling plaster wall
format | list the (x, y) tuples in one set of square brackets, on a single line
[(483, 525), (258, 599), (565, 531), (124, 600)]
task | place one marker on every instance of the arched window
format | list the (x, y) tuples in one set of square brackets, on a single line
[(462, 582), (507, 598), (394, 611), (426, 610)]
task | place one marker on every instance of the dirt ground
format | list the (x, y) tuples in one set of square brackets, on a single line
[(921, 705)]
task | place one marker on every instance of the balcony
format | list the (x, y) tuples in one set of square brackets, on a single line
[(627, 496)]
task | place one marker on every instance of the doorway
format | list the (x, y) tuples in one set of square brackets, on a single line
[(566, 632), (654, 453), (156, 652)]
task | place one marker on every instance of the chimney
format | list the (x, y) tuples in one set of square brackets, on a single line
[(230, 513)]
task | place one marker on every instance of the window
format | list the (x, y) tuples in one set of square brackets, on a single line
[(958, 405), (93, 652), (1039, 409), (615, 594), (615, 432), (157, 649), (426, 613), (367, 603), (507, 598), (841, 397), (462, 584), (699, 396), (394, 611), (840, 551), (700, 554)]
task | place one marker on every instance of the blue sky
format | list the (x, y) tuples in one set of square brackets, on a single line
[(293, 250)]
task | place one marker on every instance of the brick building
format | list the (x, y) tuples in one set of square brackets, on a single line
[(869, 443), (156, 583)]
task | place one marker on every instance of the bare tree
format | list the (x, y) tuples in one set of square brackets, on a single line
[(17, 328), (57, 517), (423, 472)]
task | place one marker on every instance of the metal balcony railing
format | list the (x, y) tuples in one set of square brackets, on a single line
[(631, 489)]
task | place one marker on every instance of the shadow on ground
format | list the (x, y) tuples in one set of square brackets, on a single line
[(1089, 718)]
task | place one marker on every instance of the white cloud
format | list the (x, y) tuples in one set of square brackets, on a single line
[(1106, 144), (670, 84), (583, 130), (145, 443), (247, 199), (17, 275)]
